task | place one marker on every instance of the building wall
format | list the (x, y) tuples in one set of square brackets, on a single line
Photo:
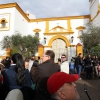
[(50, 28), (76, 23), (9, 15), (95, 12), (96, 21), (37, 25), (94, 8), (20, 23)]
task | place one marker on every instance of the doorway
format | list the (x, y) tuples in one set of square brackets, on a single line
[(59, 48)]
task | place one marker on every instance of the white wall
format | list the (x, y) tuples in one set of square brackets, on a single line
[(37, 25), (94, 8), (96, 21), (20, 23), (11, 12), (74, 24)]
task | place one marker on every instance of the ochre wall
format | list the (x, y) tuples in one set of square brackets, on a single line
[(79, 49), (40, 50)]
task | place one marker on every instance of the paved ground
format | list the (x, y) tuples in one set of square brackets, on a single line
[(93, 89)]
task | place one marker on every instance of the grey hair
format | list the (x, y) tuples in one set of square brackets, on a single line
[(55, 95)]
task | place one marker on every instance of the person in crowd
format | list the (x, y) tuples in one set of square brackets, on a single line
[(71, 67), (43, 72), (16, 77), (8, 62), (74, 63), (59, 61), (94, 67), (26, 62), (1, 78), (1, 75), (61, 86), (39, 60), (31, 62), (78, 64), (96, 64), (88, 67), (15, 94), (98, 68), (65, 64), (3, 61), (1, 71), (33, 68), (2, 68), (83, 64)]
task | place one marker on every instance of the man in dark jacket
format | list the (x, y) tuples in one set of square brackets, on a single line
[(78, 64), (43, 72)]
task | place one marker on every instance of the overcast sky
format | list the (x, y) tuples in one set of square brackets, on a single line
[(53, 8)]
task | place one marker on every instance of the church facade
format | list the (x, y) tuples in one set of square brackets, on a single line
[(60, 34)]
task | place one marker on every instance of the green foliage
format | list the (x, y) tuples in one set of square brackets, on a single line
[(95, 50), (6, 43), (26, 45), (91, 38)]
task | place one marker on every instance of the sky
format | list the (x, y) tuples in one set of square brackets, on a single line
[(52, 8)]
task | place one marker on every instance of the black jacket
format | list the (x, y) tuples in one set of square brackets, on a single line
[(78, 61)]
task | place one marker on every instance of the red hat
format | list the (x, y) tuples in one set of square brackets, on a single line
[(58, 79)]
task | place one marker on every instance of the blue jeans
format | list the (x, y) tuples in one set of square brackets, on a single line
[(79, 68)]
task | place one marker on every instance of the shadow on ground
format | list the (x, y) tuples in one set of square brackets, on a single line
[(93, 88)]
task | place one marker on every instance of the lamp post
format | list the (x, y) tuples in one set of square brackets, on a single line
[(72, 38), (45, 40), (71, 48)]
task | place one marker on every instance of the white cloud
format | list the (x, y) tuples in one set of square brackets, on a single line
[(53, 8)]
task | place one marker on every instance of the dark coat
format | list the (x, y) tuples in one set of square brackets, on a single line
[(10, 78), (41, 75), (78, 61), (45, 69)]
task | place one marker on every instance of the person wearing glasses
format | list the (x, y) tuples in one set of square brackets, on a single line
[(43, 72), (65, 64)]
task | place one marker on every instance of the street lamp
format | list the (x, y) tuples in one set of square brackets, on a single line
[(45, 40), (72, 38)]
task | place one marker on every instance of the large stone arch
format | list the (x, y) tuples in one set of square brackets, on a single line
[(59, 37)]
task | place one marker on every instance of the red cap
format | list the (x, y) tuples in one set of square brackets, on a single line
[(58, 79)]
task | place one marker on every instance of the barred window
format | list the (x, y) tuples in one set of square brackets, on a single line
[(37, 34)]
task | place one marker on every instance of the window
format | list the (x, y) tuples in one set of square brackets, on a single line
[(80, 32), (3, 24), (37, 34)]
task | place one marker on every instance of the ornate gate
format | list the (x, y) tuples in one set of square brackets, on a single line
[(59, 47)]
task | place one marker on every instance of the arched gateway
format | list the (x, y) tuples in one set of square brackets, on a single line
[(59, 44)]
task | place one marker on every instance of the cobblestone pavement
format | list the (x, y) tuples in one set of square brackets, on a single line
[(93, 89)]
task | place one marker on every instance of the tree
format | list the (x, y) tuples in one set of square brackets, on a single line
[(26, 45), (90, 37), (6, 43)]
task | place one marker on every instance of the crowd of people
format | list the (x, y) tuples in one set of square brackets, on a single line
[(43, 79), (87, 65)]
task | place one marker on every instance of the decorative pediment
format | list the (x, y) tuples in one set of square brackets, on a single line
[(79, 44), (58, 29), (80, 28), (36, 30)]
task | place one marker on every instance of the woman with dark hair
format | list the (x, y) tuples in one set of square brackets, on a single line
[(33, 68), (32, 71), (17, 77)]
